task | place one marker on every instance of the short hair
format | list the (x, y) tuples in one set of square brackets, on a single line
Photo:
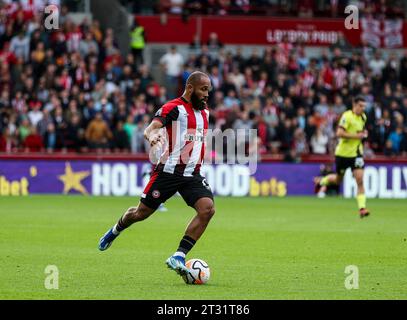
[(196, 76), (359, 98)]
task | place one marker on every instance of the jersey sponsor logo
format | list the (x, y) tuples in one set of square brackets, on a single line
[(192, 137)]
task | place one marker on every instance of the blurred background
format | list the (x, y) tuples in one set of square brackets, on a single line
[(286, 68)]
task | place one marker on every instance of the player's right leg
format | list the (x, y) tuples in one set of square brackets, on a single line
[(160, 187), (132, 215), (360, 197)]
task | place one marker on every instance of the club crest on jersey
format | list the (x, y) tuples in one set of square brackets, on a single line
[(156, 194)]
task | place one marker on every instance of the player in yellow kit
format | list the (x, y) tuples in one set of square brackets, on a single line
[(349, 153)]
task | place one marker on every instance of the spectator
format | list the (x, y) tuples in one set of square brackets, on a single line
[(403, 70), (237, 78), (20, 46), (322, 107), (195, 44), (377, 64), (138, 143), (129, 126), (104, 106), (213, 42), (300, 142), (231, 100), (121, 140), (24, 129), (8, 142), (138, 43), (396, 141), (356, 77), (319, 142), (33, 141), (176, 6), (50, 137), (88, 45), (74, 133), (305, 9), (35, 115), (216, 77), (98, 133), (172, 63), (338, 106)]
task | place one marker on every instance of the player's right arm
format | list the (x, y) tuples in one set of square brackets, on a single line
[(152, 132), (343, 130), (342, 133), (163, 117)]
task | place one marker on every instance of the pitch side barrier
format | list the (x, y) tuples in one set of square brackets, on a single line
[(126, 175)]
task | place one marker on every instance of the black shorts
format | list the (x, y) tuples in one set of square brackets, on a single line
[(163, 185), (343, 163)]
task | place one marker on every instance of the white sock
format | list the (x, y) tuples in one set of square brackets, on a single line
[(179, 254), (115, 231)]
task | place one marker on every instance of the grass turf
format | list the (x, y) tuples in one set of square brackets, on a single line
[(265, 248)]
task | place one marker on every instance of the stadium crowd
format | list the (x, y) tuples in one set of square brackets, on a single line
[(72, 90), (301, 8)]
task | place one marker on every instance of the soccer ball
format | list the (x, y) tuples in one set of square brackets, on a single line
[(199, 272)]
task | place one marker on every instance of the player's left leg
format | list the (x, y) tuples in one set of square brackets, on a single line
[(341, 164), (361, 197), (322, 183), (197, 194), (205, 209)]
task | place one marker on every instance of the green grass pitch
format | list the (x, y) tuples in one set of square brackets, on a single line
[(266, 248)]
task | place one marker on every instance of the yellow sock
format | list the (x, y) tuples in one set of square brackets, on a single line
[(361, 199), (324, 181)]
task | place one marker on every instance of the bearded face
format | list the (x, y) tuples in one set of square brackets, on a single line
[(197, 102)]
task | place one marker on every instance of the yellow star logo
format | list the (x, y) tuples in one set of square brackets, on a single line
[(72, 180)]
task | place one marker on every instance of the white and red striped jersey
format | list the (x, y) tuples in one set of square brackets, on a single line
[(340, 75), (186, 129)]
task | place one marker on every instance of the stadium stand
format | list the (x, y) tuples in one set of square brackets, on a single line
[(73, 91)]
